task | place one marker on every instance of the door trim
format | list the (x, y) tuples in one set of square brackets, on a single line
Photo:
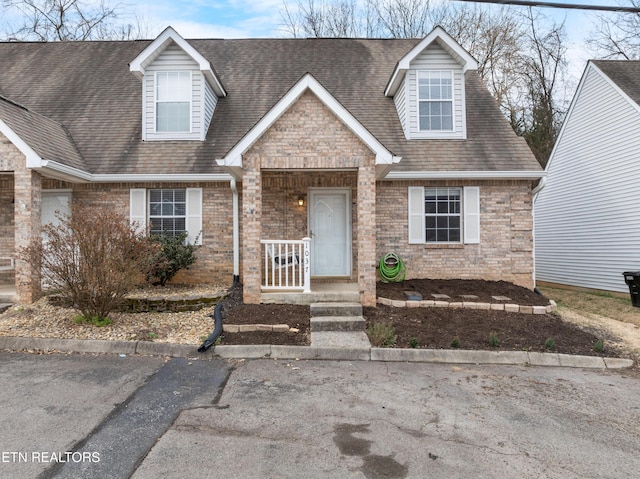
[(346, 191)]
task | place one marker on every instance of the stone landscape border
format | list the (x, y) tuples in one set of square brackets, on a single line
[(508, 307)]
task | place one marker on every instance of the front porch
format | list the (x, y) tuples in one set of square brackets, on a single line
[(309, 236)]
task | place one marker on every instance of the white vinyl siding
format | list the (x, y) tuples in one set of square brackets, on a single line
[(142, 207), (427, 215), (435, 58), (174, 59), (210, 102), (587, 219), (401, 106)]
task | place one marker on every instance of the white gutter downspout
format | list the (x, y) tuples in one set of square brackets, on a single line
[(236, 232), (541, 184)]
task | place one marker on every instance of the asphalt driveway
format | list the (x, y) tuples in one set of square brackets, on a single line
[(147, 417)]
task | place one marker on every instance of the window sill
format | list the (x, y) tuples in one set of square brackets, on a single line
[(444, 245)]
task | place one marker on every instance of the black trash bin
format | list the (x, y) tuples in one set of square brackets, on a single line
[(632, 278)]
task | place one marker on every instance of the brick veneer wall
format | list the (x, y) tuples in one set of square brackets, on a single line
[(26, 209), (505, 251), (215, 257), (307, 137), (7, 235)]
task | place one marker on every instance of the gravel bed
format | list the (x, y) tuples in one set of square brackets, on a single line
[(44, 320)]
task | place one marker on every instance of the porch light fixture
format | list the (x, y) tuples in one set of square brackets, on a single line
[(300, 201)]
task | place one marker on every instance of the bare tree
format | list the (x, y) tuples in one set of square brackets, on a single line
[(325, 18), (403, 18), (617, 35), (539, 112), (60, 20), (495, 38)]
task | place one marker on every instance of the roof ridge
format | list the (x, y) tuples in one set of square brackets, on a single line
[(15, 103)]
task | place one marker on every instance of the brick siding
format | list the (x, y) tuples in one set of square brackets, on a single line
[(505, 251), (215, 257), (26, 194), (309, 137)]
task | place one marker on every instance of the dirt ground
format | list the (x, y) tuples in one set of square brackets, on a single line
[(432, 327)]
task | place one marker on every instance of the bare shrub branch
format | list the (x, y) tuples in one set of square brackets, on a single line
[(93, 257)]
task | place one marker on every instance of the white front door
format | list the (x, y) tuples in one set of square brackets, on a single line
[(330, 230)]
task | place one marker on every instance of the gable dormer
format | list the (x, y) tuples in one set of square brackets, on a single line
[(427, 87), (179, 89)]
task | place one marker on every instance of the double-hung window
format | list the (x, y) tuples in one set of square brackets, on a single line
[(173, 101), (168, 211), (435, 100), (444, 214)]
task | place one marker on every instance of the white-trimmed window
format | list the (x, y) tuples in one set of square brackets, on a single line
[(435, 100), (173, 101), (444, 214), (169, 211)]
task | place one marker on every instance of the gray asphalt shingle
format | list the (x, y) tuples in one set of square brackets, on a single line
[(87, 88)]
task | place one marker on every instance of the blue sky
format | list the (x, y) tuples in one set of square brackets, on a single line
[(246, 18)]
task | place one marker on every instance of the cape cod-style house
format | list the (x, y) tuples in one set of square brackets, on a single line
[(291, 161)]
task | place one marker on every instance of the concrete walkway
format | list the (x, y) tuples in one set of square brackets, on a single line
[(358, 352)]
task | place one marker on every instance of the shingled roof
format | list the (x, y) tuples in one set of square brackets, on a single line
[(46, 138), (87, 89), (624, 73)]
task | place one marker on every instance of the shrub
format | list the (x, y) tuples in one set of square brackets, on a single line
[(413, 342), (550, 344), (493, 340), (175, 254), (598, 346), (93, 257), (455, 342), (382, 334)]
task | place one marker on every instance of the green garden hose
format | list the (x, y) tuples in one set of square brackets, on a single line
[(392, 268)]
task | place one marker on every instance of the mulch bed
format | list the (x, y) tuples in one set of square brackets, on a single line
[(234, 311), (456, 288), (429, 327)]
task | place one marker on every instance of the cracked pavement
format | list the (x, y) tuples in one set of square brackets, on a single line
[(324, 419)]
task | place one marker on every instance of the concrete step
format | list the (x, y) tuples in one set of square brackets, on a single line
[(337, 323), (344, 340), (336, 309), (308, 298)]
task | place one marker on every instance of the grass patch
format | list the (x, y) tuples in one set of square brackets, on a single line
[(94, 320), (382, 335), (595, 304)]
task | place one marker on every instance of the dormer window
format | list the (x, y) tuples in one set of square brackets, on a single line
[(173, 101), (435, 100)]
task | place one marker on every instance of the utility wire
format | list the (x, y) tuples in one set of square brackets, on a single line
[(573, 6)]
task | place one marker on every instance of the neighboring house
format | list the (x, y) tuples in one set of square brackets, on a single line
[(364, 146), (587, 217)]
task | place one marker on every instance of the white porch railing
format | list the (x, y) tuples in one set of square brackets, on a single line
[(287, 264)]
